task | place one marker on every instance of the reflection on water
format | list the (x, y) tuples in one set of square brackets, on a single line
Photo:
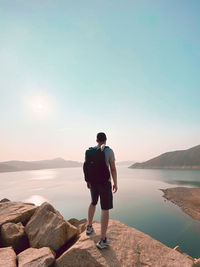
[(43, 174), (35, 199)]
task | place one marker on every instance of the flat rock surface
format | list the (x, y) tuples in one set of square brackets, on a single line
[(47, 228), (7, 257), (15, 211), (188, 199), (32, 257), (128, 248)]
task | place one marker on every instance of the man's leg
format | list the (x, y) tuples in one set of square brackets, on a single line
[(104, 223), (91, 211)]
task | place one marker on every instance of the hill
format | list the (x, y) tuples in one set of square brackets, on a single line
[(17, 165), (181, 159)]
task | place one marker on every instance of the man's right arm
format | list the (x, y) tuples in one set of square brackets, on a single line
[(114, 175)]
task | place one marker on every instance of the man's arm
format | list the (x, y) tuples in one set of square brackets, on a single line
[(114, 175)]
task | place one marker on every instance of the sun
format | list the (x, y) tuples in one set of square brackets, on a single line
[(40, 106)]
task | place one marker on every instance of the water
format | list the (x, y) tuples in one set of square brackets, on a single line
[(138, 202)]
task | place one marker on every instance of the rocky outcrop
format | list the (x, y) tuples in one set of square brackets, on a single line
[(79, 224), (15, 212), (32, 257), (188, 199), (7, 257), (13, 234), (47, 228), (128, 247), (56, 242)]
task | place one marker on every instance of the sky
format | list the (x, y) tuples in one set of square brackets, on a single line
[(71, 69)]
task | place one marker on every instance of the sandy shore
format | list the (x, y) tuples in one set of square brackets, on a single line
[(188, 199)]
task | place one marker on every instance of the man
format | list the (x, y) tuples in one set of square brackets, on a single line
[(104, 191)]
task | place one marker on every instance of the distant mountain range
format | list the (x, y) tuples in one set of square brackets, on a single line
[(16, 165), (181, 159), (125, 163)]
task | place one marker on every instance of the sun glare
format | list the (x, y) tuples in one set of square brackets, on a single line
[(40, 106), (39, 103)]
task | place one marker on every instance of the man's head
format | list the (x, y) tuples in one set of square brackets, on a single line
[(101, 138)]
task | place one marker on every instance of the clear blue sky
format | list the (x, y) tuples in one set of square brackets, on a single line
[(70, 69)]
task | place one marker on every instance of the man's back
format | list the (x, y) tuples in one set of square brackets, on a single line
[(109, 155)]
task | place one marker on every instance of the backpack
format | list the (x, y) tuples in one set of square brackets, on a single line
[(95, 168)]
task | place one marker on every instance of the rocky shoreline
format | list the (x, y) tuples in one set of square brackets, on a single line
[(188, 199), (39, 236)]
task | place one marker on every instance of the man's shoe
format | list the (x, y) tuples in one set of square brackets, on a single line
[(103, 243), (89, 230)]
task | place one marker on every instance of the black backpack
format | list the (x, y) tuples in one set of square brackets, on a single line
[(95, 168)]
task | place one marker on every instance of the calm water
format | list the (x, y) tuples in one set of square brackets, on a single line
[(138, 202)]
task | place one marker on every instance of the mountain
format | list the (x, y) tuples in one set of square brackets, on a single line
[(181, 159), (125, 163), (17, 165)]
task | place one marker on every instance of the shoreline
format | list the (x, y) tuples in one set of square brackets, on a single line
[(187, 198)]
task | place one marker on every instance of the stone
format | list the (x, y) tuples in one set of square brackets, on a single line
[(197, 262), (128, 247), (32, 257), (177, 248), (4, 200), (16, 212), (13, 234), (79, 224), (7, 257), (47, 228)]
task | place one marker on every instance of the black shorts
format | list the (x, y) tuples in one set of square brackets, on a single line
[(105, 193)]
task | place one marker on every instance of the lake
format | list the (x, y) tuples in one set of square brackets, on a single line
[(138, 202)]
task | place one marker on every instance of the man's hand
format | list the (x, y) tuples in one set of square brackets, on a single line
[(115, 188), (88, 185), (114, 175)]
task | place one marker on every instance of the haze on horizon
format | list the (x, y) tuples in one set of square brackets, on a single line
[(70, 69)]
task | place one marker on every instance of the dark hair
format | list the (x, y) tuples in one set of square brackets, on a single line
[(101, 137)]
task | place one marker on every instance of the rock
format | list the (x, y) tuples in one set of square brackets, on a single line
[(7, 257), (47, 228), (13, 235), (80, 224), (72, 231), (177, 248), (16, 212), (4, 200), (128, 247), (197, 262), (32, 257)]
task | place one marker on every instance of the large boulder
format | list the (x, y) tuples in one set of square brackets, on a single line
[(79, 224), (13, 234), (7, 257), (15, 212), (47, 228), (128, 247), (32, 257)]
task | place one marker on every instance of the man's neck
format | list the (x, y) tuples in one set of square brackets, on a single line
[(99, 144)]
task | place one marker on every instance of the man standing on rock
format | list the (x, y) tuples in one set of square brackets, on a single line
[(98, 160)]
